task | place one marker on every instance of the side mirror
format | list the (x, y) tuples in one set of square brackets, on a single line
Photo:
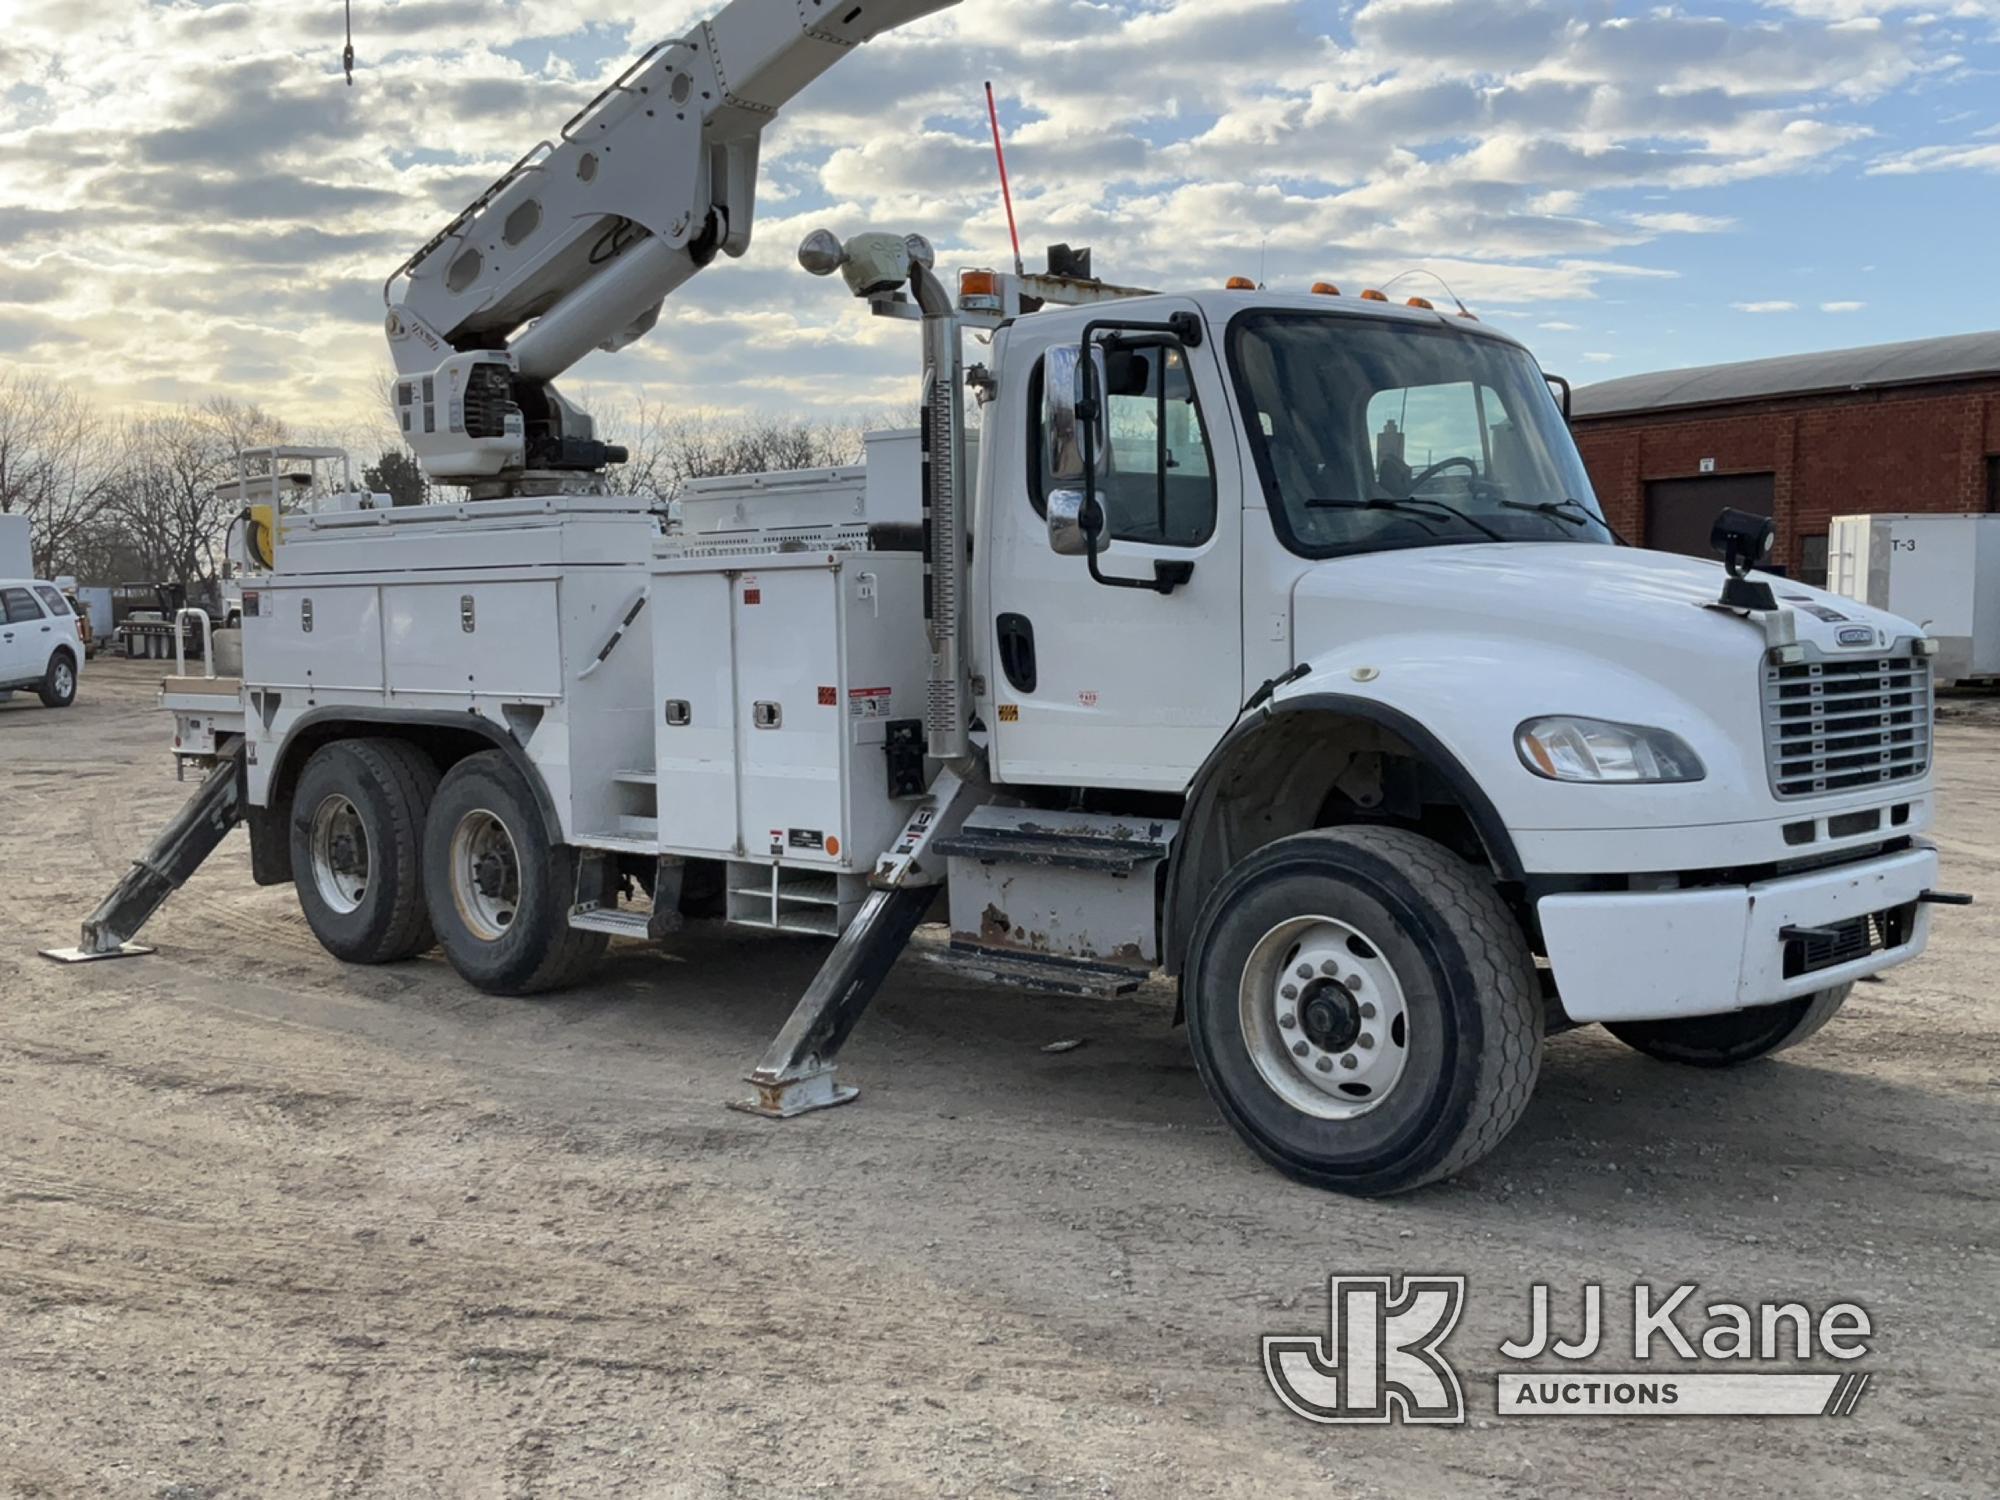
[(1061, 429), (1068, 536), (1559, 388)]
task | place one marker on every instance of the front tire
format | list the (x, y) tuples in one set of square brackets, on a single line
[(58, 689), (1363, 1009), (357, 848), (1736, 1037), (499, 892)]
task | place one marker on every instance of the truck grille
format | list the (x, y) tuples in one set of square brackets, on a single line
[(1842, 725)]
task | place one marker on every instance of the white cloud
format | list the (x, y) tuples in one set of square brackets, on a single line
[(1765, 307), (1841, 307), (1599, 357), (191, 201), (1966, 158)]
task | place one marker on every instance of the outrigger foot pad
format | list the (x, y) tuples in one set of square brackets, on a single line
[(85, 956), (789, 1098)]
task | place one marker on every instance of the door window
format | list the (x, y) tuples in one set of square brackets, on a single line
[(1158, 485), (57, 605), (19, 606)]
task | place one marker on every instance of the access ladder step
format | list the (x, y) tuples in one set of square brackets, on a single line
[(621, 841), (1054, 976), (632, 924)]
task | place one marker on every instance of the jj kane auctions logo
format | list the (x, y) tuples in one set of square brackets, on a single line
[(1382, 1358)]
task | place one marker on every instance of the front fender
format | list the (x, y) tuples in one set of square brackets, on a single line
[(1194, 851), (1472, 693)]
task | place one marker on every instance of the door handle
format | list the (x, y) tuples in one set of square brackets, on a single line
[(1017, 650)]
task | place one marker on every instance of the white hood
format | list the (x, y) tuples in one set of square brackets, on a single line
[(1575, 591)]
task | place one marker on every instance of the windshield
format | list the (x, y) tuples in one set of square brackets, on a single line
[(1371, 434)]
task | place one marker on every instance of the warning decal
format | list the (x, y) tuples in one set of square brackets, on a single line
[(871, 703)]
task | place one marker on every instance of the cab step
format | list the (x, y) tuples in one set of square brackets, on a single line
[(1065, 841), (1048, 975)]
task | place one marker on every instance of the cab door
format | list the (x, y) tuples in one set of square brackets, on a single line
[(1131, 680)]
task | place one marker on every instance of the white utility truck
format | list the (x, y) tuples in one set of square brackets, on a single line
[(1273, 642)]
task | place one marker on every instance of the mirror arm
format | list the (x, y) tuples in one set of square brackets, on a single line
[(1557, 383), (1167, 576)]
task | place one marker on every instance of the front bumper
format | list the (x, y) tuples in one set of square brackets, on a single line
[(1658, 955)]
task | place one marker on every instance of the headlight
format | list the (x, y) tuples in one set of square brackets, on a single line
[(1566, 749)]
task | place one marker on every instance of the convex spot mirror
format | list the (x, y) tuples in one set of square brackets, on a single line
[(1071, 518)]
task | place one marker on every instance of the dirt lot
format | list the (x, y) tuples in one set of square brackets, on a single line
[(269, 1226)]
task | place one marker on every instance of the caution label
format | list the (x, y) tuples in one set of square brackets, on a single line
[(871, 703)]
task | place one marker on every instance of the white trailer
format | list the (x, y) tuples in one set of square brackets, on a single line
[(17, 554), (1942, 571), (1182, 666)]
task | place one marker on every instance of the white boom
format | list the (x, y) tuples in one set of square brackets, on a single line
[(577, 245)]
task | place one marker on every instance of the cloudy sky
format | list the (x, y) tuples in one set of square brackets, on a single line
[(191, 201)]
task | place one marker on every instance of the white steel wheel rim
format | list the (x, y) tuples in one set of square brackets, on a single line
[(340, 854), (65, 679), (1324, 1018), (485, 875)]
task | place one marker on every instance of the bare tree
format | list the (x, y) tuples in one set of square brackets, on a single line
[(56, 466), (163, 500), (668, 448)]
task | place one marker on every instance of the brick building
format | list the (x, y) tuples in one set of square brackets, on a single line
[(1892, 427)]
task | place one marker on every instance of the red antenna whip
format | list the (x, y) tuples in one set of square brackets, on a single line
[(1006, 192)]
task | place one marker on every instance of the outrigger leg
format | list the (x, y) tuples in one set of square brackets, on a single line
[(177, 853), (796, 1075)]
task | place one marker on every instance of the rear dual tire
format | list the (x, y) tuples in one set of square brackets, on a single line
[(1363, 1009), (499, 893), (357, 836), (390, 861)]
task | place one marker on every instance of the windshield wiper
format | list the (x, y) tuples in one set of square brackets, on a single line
[(1407, 505), (1575, 512)]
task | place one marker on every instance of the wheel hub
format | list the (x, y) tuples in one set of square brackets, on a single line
[(1329, 1016), (1323, 1017), (485, 874), (489, 874), (343, 854), (339, 846)]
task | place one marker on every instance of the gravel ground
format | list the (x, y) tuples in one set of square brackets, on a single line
[(269, 1226)]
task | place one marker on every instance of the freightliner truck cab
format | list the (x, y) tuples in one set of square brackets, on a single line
[(1348, 605)]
